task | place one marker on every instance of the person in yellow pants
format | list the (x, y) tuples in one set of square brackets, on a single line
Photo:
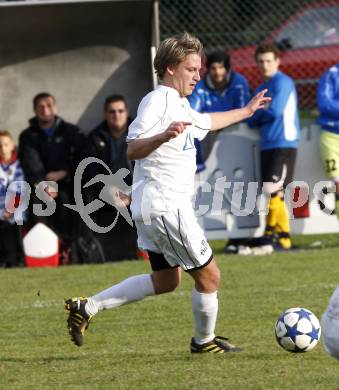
[(329, 153), (277, 168), (328, 106), (279, 130)]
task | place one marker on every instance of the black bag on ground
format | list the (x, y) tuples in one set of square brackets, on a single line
[(86, 248)]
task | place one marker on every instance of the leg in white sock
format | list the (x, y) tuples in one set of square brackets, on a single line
[(205, 311), (129, 290)]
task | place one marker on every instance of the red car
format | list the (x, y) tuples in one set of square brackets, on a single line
[(310, 41)]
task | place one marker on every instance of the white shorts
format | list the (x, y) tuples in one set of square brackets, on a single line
[(178, 237), (330, 326)]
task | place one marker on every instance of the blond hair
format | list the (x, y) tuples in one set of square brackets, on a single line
[(6, 133), (174, 50)]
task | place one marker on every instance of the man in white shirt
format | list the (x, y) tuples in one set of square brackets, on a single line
[(161, 141)]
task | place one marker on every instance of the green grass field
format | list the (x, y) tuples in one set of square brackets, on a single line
[(146, 345)]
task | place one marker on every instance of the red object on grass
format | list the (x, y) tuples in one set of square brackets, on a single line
[(51, 261)]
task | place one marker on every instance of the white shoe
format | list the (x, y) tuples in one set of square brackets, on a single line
[(244, 251), (262, 250)]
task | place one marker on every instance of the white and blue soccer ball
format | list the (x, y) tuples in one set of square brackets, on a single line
[(297, 330)]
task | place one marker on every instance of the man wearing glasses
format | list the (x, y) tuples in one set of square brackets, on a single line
[(107, 142)]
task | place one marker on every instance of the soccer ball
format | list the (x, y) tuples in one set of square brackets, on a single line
[(297, 330)]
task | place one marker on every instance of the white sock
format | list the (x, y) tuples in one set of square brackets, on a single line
[(205, 311), (132, 289)]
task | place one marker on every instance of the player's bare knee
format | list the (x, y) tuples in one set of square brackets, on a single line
[(207, 280), (216, 278), (213, 278), (209, 285), (170, 286), (165, 287), (165, 282)]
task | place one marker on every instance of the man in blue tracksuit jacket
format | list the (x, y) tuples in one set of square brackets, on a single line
[(221, 89), (328, 106), (279, 139)]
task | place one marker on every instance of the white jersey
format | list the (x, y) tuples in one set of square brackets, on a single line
[(165, 178)]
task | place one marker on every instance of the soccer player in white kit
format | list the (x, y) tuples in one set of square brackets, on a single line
[(161, 141)]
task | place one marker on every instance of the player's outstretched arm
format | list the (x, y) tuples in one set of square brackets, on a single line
[(223, 119), (141, 147)]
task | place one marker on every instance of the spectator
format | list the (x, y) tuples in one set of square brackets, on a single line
[(279, 138), (221, 89), (48, 150), (10, 191), (328, 106), (107, 142)]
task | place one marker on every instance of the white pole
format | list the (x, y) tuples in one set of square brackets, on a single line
[(155, 38)]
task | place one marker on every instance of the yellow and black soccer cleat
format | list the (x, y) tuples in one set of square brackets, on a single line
[(217, 345), (78, 320)]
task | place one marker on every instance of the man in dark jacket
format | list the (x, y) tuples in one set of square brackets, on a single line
[(107, 142), (48, 151)]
